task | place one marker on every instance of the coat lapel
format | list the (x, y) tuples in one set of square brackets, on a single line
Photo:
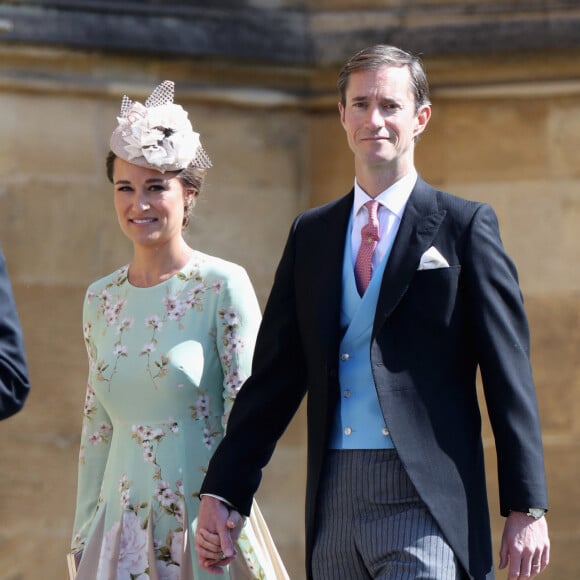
[(418, 228), (330, 253)]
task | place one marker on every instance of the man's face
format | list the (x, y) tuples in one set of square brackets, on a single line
[(379, 118)]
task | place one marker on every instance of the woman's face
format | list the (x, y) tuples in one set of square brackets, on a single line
[(149, 204)]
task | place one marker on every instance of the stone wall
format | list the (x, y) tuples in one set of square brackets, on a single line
[(505, 129)]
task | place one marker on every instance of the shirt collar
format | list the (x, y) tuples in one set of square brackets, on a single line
[(394, 198)]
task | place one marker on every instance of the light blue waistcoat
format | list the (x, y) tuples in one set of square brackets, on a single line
[(358, 422)]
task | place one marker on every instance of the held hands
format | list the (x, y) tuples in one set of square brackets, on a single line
[(525, 545), (217, 530)]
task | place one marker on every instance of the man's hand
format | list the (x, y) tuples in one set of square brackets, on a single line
[(525, 545), (217, 530)]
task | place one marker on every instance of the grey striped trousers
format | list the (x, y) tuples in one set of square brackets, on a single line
[(372, 524)]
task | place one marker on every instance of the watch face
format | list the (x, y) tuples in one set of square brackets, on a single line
[(536, 512)]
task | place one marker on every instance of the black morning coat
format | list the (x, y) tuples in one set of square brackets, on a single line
[(432, 330)]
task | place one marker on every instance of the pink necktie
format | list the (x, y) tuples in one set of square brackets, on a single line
[(369, 238)]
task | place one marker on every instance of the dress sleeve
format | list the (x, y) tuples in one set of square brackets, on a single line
[(96, 434), (14, 384), (238, 319)]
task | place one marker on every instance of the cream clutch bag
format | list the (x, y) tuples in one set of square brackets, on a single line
[(72, 561)]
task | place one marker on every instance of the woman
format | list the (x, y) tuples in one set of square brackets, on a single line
[(169, 339)]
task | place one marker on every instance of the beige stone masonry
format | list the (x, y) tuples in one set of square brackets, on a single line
[(504, 131)]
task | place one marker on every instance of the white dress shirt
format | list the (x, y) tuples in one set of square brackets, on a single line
[(392, 203)]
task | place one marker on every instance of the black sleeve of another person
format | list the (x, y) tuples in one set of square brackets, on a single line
[(14, 381)]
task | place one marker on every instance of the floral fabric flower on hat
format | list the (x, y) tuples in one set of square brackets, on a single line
[(158, 135)]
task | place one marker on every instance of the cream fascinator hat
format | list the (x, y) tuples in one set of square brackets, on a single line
[(157, 135)]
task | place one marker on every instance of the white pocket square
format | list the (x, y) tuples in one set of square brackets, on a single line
[(432, 259)]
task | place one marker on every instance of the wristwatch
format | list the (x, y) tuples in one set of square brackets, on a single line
[(536, 513)]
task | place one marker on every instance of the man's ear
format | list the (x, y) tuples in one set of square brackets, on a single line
[(423, 116), (341, 112)]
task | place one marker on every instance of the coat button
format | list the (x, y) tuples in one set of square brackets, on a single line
[(348, 431)]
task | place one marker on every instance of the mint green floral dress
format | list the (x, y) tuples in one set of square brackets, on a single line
[(165, 365)]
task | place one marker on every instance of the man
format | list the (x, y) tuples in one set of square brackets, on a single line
[(14, 383), (396, 482)]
